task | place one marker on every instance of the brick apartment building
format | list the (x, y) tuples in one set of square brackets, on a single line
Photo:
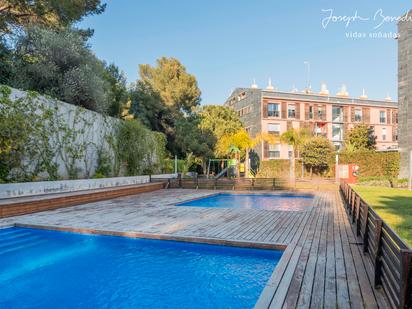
[(271, 111)]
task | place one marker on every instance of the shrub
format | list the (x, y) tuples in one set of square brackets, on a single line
[(316, 154), (273, 169), (138, 149), (371, 163)]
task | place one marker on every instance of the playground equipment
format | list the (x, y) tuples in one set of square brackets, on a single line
[(221, 167)]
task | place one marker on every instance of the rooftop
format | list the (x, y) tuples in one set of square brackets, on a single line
[(317, 97)]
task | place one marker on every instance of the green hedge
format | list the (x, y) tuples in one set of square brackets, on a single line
[(273, 168), (371, 163)]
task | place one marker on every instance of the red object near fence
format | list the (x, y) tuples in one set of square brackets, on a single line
[(348, 172)]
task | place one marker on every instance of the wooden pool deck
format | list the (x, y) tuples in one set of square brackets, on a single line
[(322, 266)]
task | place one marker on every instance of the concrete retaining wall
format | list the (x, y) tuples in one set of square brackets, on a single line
[(46, 187)]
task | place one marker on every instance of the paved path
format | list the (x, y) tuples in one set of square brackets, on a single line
[(322, 266)]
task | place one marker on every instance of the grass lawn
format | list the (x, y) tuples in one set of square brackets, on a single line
[(393, 205)]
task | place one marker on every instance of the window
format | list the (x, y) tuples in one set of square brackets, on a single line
[(382, 117), (291, 111), (273, 109), (384, 134), (337, 132), (241, 96), (337, 115), (274, 151), (274, 128), (320, 112), (310, 112), (245, 110), (358, 114)]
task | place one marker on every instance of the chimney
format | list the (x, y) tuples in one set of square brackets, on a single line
[(343, 92), (388, 98), (324, 89), (363, 96), (269, 87), (254, 85)]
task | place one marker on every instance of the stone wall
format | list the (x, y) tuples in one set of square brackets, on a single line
[(405, 93), (82, 132), (94, 126)]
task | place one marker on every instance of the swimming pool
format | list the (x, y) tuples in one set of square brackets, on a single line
[(254, 201), (49, 269)]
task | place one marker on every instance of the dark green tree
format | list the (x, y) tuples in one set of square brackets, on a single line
[(6, 62), (60, 64), (191, 138), (164, 95), (149, 108), (361, 137), (316, 153), (177, 89), (48, 13), (118, 94)]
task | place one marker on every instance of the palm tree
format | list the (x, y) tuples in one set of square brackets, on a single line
[(239, 142), (294, 138)]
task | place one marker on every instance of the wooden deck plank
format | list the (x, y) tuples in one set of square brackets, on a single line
[(351, 276), (295, 286), (322, 266), (330, 277), (317, 300), (309, 275)]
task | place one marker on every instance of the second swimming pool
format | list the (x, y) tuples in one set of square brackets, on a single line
[(254, 201)]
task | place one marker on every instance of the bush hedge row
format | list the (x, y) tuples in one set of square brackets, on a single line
[(371, 163)]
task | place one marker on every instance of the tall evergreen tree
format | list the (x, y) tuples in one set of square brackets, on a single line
[(48, 13)]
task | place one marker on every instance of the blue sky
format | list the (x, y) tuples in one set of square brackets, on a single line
[(226, 44)]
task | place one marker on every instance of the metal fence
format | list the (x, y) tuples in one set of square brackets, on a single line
[(226, 183), (390, 256)]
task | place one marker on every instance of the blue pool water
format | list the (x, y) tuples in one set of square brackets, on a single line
[(254, 201), (49, 269)]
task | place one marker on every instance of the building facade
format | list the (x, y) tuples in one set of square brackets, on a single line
[(274, 112), (405, 93)]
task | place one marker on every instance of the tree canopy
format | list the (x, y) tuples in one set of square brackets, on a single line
[(61, 64), (229, 144), (295, 138), (191, 138), (164, 99), (316, 153), (177, 89), (361, 137), (48, 13), (220, 120)]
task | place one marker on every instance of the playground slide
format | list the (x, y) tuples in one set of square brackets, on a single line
[(223, 172)]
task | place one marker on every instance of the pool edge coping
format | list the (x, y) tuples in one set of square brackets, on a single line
[(157, 236)]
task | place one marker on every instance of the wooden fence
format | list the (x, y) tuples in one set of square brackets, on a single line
[(226, 183), (390, 257)]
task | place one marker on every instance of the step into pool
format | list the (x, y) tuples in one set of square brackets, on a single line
[(293, 202), (51, 269)]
